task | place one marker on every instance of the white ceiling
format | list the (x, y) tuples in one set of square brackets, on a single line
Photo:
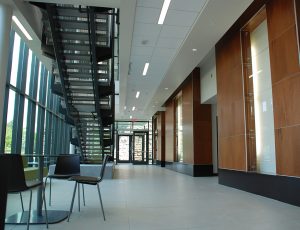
[(168, 48)]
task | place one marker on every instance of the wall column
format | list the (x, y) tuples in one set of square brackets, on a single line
[(5, 27)]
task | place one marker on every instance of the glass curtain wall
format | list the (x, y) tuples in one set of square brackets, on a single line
[(33, 124)]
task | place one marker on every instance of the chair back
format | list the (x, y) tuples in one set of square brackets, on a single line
[(67, 165), (14, 172), (103, 167)]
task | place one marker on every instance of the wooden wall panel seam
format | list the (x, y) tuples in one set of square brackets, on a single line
[(286, 78), (281, 33)]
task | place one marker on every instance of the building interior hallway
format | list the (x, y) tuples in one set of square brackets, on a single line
[(154, 198)]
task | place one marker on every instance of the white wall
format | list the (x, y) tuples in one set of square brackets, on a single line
[(208, 80), (208, 83)]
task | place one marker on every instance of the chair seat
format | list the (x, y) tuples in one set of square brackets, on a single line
[(29, 185), (62, 176), (33, 183), (86, 179)]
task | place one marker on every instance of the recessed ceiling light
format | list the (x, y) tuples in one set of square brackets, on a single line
[(100, 63), (130, 117), (145, 69), (125, 107), (194, 50), (137, 94), (163, 12), (166, 88), (21, 27), (133, 108)]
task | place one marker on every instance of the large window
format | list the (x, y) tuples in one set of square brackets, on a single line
[(33, 124), (258, 96)]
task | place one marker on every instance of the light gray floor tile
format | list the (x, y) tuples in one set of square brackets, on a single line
[(154, 198)]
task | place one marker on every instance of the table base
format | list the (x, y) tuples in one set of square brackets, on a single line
[(54, 216)]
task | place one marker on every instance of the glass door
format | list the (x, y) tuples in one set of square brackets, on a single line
[(124, 148), (140, 147)]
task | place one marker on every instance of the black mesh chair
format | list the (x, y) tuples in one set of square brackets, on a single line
[(16, 182), (66, 167), (89, 181)]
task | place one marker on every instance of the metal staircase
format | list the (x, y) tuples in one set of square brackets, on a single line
[(81, 40)]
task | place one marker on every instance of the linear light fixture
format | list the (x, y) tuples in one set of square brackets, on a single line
[(137, 94), (163, 12), (21, 27), (133, 108), (145, 69)]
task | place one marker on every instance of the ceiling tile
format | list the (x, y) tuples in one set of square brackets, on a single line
[(187, 5), (180, 18), (150, 3), (141, 51), (146, 29), (144, 40), (147, 15), (137, 65), (174, 31), (163, 52), (158, 69), (169, 42)]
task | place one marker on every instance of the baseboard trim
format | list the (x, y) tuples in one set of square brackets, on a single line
[(161, 163), (190, 169), (281, 188)]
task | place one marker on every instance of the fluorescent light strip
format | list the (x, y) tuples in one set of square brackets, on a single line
[(133, 108), (163, 12), (21, 27), (137, 94), (146, 69)]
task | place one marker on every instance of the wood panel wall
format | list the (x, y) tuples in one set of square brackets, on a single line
[(286, 85), (169, 131), (196, 121), (202, 125), (232, 145), (285, 71), (187, 121), (161, 136)]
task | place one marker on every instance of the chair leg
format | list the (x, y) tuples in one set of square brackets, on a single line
[(50, 191), (101, 201), (83, 195), (72, 202), (45, 206), (78, 197), (29, 211), (22, 202)]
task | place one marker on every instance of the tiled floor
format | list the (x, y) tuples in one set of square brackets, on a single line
[(154, 198)]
